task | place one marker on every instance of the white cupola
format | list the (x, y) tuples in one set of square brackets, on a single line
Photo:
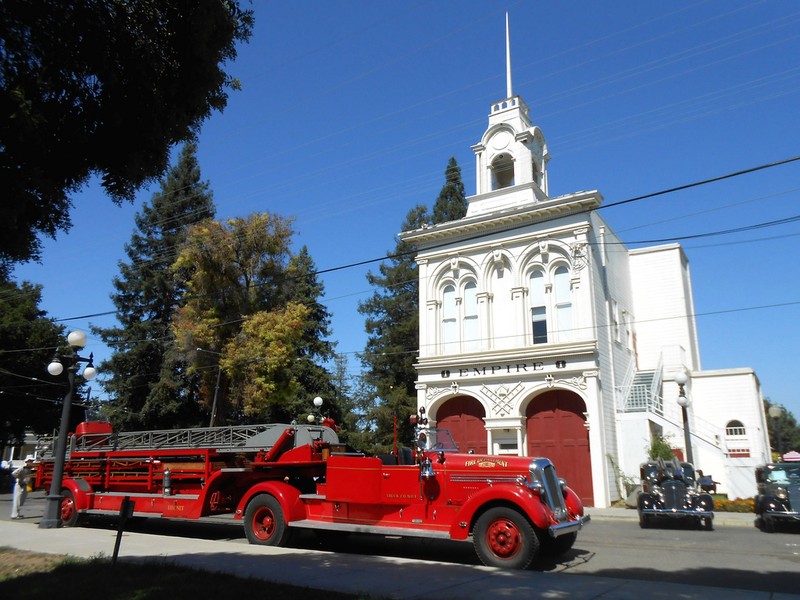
[(511, 158)]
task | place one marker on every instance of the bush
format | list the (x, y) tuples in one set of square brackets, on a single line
[(739, 505)]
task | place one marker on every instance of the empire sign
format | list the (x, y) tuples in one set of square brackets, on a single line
[(507, 369)]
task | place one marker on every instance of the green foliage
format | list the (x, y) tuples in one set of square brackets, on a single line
[(146, 375), (28, 340), (452, 202), (392, 327), (103, 88), (314, 349), (254, 308), (660, 447), (784, 432), (739, 505), (392, 322)]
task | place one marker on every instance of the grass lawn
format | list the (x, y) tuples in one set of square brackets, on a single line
[(29, 575)]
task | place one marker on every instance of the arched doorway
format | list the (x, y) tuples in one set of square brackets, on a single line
[(463, 416), (556, 429)]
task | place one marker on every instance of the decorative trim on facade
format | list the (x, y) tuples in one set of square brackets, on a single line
[(502, 398)]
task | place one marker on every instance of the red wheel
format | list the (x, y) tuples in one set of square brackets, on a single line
[(264, 522), (69, 512), (505, 538)]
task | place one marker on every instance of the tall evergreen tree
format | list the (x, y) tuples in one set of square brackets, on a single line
[(392, 326), (451, 203), (147, 378), (315, 350), (393, 319), (28, 339)]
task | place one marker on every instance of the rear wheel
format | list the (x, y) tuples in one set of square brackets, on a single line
[(505, 538), (69, 512), (264, 522), (644, 521)]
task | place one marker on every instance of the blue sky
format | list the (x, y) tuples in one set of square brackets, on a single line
[(350, 111)]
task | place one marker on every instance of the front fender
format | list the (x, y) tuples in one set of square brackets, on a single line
[(767, 504), (80, 489), (518, 496), (646, 501), (288, 496)]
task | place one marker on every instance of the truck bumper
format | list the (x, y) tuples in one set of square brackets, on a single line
[(568, 527)]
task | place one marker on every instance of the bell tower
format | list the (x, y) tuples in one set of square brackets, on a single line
[(511, 158)]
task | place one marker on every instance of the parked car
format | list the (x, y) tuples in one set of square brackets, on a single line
[(778, 499), (670, 490)]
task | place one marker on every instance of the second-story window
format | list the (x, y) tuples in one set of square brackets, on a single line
[(551, 305), (538, 308), (449, 320), (459, 318), (472, 334)]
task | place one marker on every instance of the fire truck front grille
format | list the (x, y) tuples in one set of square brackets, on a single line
[(543, 471)]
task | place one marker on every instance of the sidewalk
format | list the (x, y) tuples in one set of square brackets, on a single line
[(390, 577)]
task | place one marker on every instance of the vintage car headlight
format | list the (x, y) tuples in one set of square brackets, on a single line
[(781, 493)]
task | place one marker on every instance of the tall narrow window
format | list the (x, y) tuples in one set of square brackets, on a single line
[(449, 322), (472, 334), (563, 304), (538, 308)]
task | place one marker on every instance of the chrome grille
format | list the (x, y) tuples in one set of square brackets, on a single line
[(674, 493), (543, 472)]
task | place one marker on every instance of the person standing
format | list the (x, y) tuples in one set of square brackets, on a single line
[(22, 477)]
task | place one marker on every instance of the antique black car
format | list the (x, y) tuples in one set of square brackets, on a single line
[(670, 490), (778, 499)]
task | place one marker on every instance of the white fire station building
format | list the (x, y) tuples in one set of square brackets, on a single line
[(541, 334)]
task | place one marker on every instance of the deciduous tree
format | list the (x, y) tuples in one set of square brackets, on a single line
[(237, 310)]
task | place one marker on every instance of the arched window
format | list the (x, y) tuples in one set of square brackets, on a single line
[(449, 320), (460, 323), (736, 443), (538, 307), (563, 303), (502, 172), (472, 334), (735, 429), (551, 305)]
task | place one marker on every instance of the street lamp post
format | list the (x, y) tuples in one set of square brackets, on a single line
[(775, 412), (683, 402), (76, 341)]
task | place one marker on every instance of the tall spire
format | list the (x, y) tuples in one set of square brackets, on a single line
[(509, 93)]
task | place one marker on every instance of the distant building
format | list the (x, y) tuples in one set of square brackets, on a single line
[(542, 334)]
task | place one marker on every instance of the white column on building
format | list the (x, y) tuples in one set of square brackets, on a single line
[(520, 318), (484, 317)]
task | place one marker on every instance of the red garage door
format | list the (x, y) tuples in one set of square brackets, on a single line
[(463, 416), (556, 430)]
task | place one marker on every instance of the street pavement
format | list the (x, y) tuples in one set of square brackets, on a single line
[(370, 575)]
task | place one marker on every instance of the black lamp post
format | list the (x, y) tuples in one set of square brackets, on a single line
[(683, 402), (775, 412), (76, 341)]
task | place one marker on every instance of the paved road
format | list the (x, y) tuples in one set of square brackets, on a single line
[(659, 563)]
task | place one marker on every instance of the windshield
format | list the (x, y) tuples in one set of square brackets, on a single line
[(784, 475), (436, 439)]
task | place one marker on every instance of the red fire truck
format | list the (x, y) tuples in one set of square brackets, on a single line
[(280, 478)]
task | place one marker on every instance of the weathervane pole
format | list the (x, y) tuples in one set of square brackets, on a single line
[(509, 93)]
